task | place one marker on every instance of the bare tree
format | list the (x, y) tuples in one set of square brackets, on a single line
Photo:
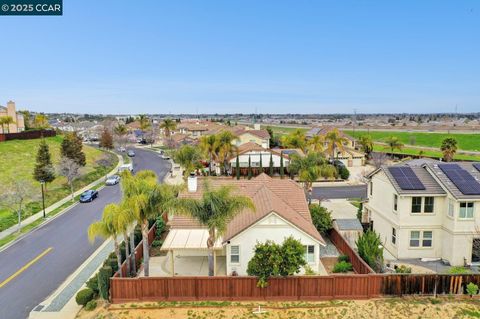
[(14, 195), (378, 159), (70, 170)]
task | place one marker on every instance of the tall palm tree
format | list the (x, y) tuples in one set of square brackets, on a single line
[(108, 227), (449, 148), (366, 144), (226, 148), (210, 147), (316, 143), (144, 122), (6, 120), (335, 142), (394, 143), (308, 176), (146, 199), (188, 157), (214, 210), (168, 125), (295, 139)]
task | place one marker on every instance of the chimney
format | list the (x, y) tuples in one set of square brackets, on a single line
[(192, 183)]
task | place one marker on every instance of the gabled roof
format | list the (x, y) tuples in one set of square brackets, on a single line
[(281, 196), (324, 130), (254, 147), (259, 133)]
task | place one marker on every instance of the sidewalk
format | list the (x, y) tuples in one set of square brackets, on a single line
[(51, 208)]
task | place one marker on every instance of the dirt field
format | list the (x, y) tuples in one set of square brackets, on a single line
[(421, 308)]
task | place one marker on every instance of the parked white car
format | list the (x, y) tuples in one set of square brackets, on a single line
[(112, 180), (125, 167)]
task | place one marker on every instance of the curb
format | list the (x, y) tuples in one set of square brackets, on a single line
[(47, 220)]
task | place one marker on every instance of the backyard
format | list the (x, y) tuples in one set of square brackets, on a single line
[(377, 308), (17, 158)]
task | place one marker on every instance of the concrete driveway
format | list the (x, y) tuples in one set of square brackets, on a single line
[(184, 266), (340, 208), (336, 192)]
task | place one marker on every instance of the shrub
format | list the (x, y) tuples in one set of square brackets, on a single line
[(458, 270), (309, 271), (92, 283), (92, 304), (321, 218), (343, 172), (112, 262), (342, 266), (157, 243), (343, 258), (104, 275), (84, 296), (160, 227), (271, 259), (472, 289), (370, 249), (402, 269), (360, 212)]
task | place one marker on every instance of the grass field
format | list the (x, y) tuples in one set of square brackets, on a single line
[(17, 159), (283, 130), (428, 153), (466, 142)]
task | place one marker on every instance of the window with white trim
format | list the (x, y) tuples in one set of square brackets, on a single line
[(451, 208), (420, 238), (395, 202), (428, 204), (416, 204), (235, 254), (394, 236), (466, 210), (310, 253)]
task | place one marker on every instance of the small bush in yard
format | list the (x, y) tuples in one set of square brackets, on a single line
[(84, 296), (402, 269), (157, 243), (321, 218), (370, 249), (343, 172), (342, 266), (92, 283), (92, 304), (104, 275), (472, 289), (343, 258), (458, 270)]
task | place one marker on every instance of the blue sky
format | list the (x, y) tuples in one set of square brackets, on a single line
[(240, 56)]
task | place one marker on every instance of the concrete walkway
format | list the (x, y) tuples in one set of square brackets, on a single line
[(51, 208)]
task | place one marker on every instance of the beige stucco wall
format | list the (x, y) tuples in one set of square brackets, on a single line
[(247, 137), (19, 124), (452, 237)]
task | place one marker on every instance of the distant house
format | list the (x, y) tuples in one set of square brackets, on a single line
[(281, 211), (257, 136), (18, 124), (427, 209)]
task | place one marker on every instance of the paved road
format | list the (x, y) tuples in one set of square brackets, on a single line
[(333, 192), (51, 253)]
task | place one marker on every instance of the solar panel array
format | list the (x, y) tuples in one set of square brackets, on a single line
[(406, 178), (461, 178), (477, 166)]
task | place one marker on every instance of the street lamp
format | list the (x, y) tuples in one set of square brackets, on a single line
[(42, 183)]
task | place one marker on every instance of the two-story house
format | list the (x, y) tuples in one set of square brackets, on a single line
[(427, 209)]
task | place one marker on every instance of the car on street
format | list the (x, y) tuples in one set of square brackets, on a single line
[(88, 196), (131, 153), (112, 180), (126, 167), (121, 149)]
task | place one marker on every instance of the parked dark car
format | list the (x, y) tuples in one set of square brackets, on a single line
[(88, 196), (131, 153)]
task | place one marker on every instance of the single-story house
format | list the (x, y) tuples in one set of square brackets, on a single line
[(281, 211)]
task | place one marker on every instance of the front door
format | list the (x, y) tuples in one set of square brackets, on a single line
[(476, 250)]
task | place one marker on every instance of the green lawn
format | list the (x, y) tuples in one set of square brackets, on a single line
[(466, 142), (428, 153), (17, 159), (283, 130)]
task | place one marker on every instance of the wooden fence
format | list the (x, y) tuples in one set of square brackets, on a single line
[(288, 289), (359, 265), (27, 135)]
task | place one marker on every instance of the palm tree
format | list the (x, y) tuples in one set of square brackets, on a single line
[(394, 143), (295, 139), (449, 148), (225, 148), (210, 147), (308, 176), (6, 120), (144, 122), (214, 210), (107, 227), (335, 141), (316, 143), (188, 157), (366, 144), (146, 199), (168, 125)]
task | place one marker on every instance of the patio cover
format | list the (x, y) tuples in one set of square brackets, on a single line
[(178, 239)]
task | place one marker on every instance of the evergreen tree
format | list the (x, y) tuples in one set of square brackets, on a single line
[(281, 165), (271, 164), (249, 167), (106, 140), (44, 171), (237, 167), (72, 148)]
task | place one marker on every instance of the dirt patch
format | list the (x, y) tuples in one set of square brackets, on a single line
[(378, 308)]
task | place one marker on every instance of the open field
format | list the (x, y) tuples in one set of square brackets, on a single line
[(428, 153), (380, 308), (466, 142), (283, 130), (17, 159)]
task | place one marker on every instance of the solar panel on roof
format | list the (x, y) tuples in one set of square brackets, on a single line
[(406, 178), (461, 178)]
